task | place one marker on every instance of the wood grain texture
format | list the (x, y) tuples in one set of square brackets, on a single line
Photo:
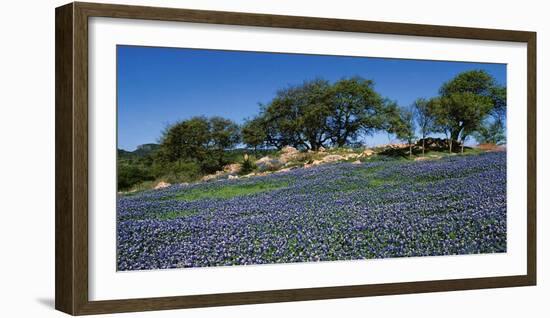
[(72, 157), (532, 158), (64, 235), (297, 22)]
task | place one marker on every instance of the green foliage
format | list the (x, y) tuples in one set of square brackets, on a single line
[(247, 166), (178, 171), (254, 132), (296, 116), (492, 133), (460, 114), (406, 129), (424, 119), (223, 134), (498, 96), (400, 121), (230, 191), (355, 107), (186, 139), (201, 140), (465, 102), (129, 175), (316, 113), (477, 82)]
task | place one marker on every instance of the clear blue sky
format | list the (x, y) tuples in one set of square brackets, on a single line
[(159, 86)]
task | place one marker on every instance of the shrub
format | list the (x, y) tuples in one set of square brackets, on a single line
[(180, 171), (247, 166), (129, 175)]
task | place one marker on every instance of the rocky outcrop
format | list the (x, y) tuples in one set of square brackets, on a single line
[(162, 185), (268, 163), (233, 168), (217, 175), (367, 153), (438, 144), (333, 158), (288, 154), (288, 150)]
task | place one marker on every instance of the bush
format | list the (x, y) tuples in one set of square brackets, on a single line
[(247, 166), (210, 164), (129, 175), (179, 171)]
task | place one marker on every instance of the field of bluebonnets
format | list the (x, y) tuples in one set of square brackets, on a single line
[(342, 211)]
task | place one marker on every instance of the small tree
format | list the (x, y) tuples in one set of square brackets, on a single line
[(424, 119), (492, 132), (405, 130), (186, 139), (247, 166), (465, 102), (401, 123), (254, 133), (224, 134), (459, 115), (199, 139)]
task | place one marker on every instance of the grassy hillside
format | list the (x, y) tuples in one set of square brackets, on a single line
[(335, 211)]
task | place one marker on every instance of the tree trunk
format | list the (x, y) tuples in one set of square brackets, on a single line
[(314, 146), (450, 145), (423, 145), (410, 150), (462, 147), (341, 142), (455, 133)]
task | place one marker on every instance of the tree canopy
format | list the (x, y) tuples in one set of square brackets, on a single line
[(465, 102), (316, 114), (199, 139)]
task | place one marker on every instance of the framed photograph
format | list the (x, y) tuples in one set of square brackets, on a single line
[(211, 158)]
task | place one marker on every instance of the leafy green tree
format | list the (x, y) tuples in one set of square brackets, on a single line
[(297, 116), (498, 96), (199, 139), (477, 82), (492, 132), (355, 107), (464, 103), (185, 140), (315, 111), (129, 175), (404, 127), (282, 116), (254, 132), (390, 117), (424, 119), (224, 134)]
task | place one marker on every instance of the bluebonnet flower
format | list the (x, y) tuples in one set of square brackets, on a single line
[(342, 211)]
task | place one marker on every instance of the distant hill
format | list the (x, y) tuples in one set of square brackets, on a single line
[(141, 151)]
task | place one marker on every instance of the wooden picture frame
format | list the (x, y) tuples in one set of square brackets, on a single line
[(71, 90)]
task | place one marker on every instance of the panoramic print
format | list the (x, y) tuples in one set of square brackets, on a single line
[(247, 158)]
